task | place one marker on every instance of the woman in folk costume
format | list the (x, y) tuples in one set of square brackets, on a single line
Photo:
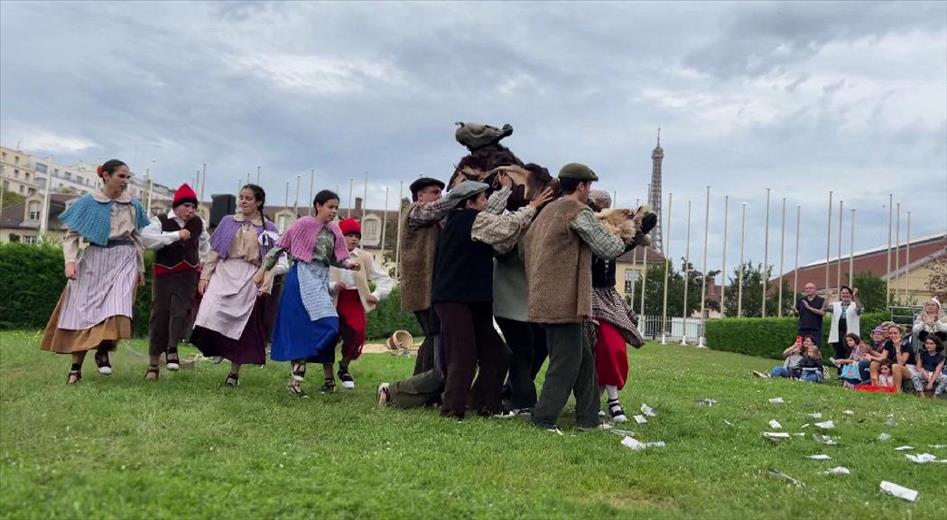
[(353, 299), (614, 324), (229, 322), (182, 242), (95, 309), (307, 323)]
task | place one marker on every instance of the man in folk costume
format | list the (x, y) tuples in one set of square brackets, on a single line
[(560, 245), (182, 243), (354, 299)]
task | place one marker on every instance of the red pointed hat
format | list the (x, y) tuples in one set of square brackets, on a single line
[(350, 226), (184, 194)]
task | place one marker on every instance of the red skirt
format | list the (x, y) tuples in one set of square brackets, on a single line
[(611, 356)]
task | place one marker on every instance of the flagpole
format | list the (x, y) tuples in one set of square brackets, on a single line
[(634, 263), (348, 211), (299, 179), (795, 276), (398, 238), (851, 253), (703, 281), (907, 263), (723, 269), (888, 252), (740, 275), (828, 248), (384, 225), (667, 266), (644, 276), (203, 183), (765, 257), (257, 176), (782, 254), (838, 264), (687, 270), (897, 252)]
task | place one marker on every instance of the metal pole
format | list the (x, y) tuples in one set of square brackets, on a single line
[(838, 263), (782, 253), (765, 273), (851, 253), (723, 269), (828, 248), (795, 276), (740, 275), (365, 197), (687, 270), (203, 180), (384, 225), (897, 252), (644, 278), (348, 211), (907, 263), (667, 266), (634, 263), (703, 281), (44, 214), (257, 175), (398, 238), (312, 179), (299, 179), (286, 203), (888, 252)]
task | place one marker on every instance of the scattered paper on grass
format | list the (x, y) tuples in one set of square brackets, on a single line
[(884, 437), (804, 426), (889, 421), (825, 425), (815, 415), (899, 491), (636, 445), (820, 456), (923, 458), (647, 410), (776, 436), (640, 419), (800, 434), (777, 400), (904, 448), (706, 402), (824, 439), (728, 423), (778, 473), (839, 470), (623, 433), (848, 412), (937, 445), (774, 424)]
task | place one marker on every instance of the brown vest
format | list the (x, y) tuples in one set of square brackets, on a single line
[(558, 266), (418, 249)]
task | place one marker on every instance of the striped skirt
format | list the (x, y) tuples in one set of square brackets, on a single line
[(229, 321), (96, 307)]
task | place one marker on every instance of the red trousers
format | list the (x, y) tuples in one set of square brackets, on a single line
[(611, 356), (351, 323)]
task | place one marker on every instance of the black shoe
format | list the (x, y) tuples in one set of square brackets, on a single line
[(329, 386), (232, 379)]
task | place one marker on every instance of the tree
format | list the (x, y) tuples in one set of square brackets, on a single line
[(937, 282), (753, 279), (871, 291), (654, 291)]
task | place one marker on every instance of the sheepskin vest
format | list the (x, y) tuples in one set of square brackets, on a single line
[(418, 249), (463, 271), (558, 266)]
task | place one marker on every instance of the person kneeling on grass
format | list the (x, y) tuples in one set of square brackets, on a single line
[(930, 366), (793, 355)]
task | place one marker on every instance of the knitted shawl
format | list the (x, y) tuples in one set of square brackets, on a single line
[(92, 218), (227, 230), (300, 239)]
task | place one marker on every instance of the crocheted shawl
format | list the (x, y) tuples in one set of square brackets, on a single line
[(92, 218), (300, 239), (227, 230)]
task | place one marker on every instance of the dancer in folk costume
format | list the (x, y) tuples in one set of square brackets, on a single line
[(613, 323), (182, 242), (229, 322), (353, 299), (95, 309), (307, 323)]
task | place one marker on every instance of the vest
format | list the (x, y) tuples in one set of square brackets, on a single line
[(361, 279), (463, 271), (182, 255), (603, 273), (416, 266), (558, 266), (851, 319)]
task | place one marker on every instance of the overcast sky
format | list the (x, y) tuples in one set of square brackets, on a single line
[(800, 97)]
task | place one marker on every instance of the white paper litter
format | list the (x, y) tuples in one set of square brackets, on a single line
[(804, 426), (819, 457), (728, 423), (706, 402), (815, 415), (655, 444), (826, 425), (779, 474), (839, 470), (636, 445), (889, 421), (800, 434), (623, 433), (647, 410), (774, 424), (899, 491), (824, 439), (848, 412), (904, 448), (776, 436), (639, 419), (884, 437), (937, 445), (923, 458), (777, 400)]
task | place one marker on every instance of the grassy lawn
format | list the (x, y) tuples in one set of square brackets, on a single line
[(121, 447)]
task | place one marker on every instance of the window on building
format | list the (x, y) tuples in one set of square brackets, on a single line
[(21, 189), (26, 175), (16, 159), (631, 278), (371, 231), (16, 174), (29, 239), (282, 222), (33, 212), (40, 168)]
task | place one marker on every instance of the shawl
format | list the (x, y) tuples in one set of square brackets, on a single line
[(300, 239), (227, 230), (608, 305), (92, 219)]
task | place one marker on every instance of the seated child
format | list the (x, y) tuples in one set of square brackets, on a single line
[(850, 373), (810, 366), (885, 381), (793, 355), (929, 375)]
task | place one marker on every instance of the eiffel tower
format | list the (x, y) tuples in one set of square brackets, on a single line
[(654, 195)]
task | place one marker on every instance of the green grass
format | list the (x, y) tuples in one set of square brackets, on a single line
[(121, 447)]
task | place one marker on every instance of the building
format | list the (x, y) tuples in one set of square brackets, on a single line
[(654, 192), (630, 268), (908, 273), (16, 172), (21, 222)]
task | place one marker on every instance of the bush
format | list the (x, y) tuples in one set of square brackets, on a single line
[(768, 337), (33, 278)]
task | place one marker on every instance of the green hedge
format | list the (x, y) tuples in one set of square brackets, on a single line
[(33, 279), (768, 337)]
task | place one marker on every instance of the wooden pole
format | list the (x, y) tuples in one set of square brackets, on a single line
[(348, 211), (299, 179), (838, 263), (398, 238), (384, 225), (907, 263), (897, 253)]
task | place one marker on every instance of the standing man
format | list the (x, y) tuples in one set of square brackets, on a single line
[(182, 244), (809, 309), (559, 249)]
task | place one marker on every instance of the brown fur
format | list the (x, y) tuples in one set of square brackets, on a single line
[(625, 223)]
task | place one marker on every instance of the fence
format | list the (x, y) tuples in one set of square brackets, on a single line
[(690, 330)]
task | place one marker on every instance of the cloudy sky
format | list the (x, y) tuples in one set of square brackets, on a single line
[(801, 98)]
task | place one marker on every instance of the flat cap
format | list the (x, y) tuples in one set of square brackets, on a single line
[(422, 183), (465, 190), (578, 172)]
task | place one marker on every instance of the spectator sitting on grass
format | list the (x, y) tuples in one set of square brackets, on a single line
[(898, 352), (810, 366), (859, 351), (793, 355), (929, 374), (930, 321), (875, 352)]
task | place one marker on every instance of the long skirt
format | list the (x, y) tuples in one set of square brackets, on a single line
[(96, 307), (611, 356), (306, 328), (229, 321)]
